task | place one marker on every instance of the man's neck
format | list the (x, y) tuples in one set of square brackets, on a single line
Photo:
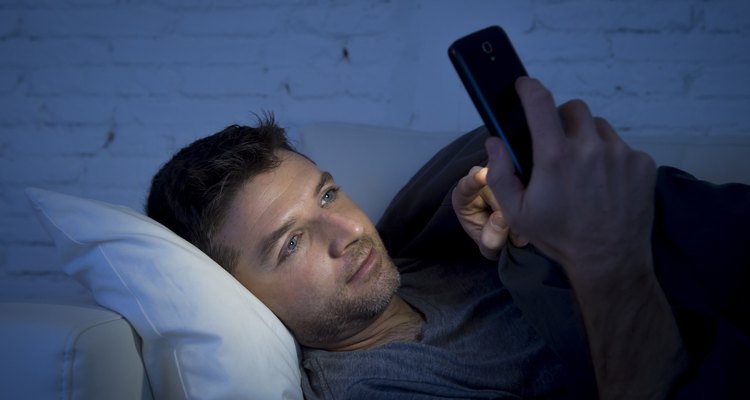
[(398, 323)]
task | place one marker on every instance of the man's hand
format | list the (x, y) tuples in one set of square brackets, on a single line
[(480, 214), (589, 205), (590, 195)]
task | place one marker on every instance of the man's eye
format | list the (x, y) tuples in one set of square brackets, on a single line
[(291, 245), (289, 249), (329, 196)]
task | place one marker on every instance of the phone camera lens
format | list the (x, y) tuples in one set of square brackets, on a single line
[(487, 47)]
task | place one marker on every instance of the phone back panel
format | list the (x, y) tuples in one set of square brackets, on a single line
[(488, 67)]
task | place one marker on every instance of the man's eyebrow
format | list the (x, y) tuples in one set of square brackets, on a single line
[(268, 243), (325, 177)]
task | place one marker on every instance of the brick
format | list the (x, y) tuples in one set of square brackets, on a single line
[(141, 141), (25, 52), (159, 111), (692, 47), (121, 172), (65, 4), (19, 110), (345, 108), (43, 141), (10, 80), (192, 116), (599, 17), (13, 200), (54, 169), (728, 17), (722, 81), (608, 79), (92, 3), (444, 21), (256, 21), (95, 80), (349, 19), (370, 50), (680, 115), (233, 80), (297, 51), (561, 47), (367, 81), (133, 21), (201, 5), (11, 4), (15, 205), (9, 21), (74, 111), (192, 51)]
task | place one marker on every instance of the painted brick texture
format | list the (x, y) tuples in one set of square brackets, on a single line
[(96, 94)]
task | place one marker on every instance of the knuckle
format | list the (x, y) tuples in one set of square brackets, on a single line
[(539, 93), (575, 106), (591, 150), (645, 160), (554, 159), (602, 124)]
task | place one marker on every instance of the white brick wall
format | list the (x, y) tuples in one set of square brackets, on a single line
[(96, 94)]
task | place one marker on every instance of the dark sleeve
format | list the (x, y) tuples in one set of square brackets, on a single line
[(701, 244), (541, 290), (701, 247)]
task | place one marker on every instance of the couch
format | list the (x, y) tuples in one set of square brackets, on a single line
[(92, 351)]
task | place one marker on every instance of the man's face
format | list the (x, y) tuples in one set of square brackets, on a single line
[(308, 252)]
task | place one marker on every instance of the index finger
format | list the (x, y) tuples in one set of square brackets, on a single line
[(541, 115), (469, 187)]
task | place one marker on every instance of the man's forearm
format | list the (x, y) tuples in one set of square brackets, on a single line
[(635, 344), (590, 206)]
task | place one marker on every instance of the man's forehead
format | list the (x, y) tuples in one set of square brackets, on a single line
[(293, 176), (291, 167), (271, 199)]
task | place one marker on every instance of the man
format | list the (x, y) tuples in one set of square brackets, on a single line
[(445, 326)]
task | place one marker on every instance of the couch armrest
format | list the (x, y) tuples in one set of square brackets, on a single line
[(69, 352)]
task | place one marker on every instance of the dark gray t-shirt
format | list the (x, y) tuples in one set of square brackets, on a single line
[(475, 345)]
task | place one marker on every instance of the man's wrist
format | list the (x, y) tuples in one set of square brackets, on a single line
[(604, 274), (633, 338)]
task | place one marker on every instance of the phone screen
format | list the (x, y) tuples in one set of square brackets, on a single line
[(489, 66)]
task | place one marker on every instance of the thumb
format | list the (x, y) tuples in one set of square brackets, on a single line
[(501, 178)]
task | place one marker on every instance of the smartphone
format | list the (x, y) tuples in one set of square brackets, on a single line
[(488, 67)]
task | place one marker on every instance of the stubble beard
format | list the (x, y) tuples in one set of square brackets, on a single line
[(350, 311)]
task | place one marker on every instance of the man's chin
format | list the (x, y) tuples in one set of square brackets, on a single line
[(346, 316)]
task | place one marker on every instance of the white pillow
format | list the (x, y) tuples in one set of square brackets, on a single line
[(204, 335)]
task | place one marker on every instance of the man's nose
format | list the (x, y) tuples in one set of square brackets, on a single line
[(342, 231)]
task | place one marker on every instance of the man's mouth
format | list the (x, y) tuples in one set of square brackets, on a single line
[(364, 267)]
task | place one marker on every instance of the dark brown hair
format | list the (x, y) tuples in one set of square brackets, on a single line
[(191, 193)]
